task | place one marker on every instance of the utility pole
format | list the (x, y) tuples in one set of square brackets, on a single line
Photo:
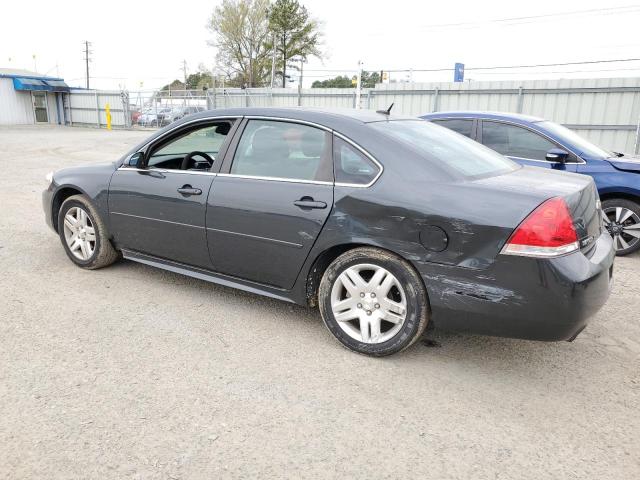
[(301, 72), (359, 84), (184, 70), (87, 58)]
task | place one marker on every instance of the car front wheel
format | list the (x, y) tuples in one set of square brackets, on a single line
[(83, 234), (373, 302), (622, 219)]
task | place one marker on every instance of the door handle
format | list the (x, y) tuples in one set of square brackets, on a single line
[(308, 202), (189, 190)]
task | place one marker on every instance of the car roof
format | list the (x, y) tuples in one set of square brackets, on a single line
[(323, 116), (484, 114)]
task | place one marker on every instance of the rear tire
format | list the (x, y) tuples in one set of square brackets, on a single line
[(373, 302), (623, 223), (84, 235)]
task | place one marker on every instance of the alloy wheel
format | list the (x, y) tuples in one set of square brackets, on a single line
[(624, 226), (368, 303), (79, 233)]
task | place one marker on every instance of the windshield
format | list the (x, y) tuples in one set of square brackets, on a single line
[(583, 145), (452, 150)]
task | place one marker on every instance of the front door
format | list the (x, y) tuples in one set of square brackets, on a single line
[(160, 209), (521, 145), (40, 107), (268, 206)]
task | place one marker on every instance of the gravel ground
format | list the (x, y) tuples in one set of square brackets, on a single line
[(133, 372)]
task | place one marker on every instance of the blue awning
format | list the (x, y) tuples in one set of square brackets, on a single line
[(57, 85), (31, 84)]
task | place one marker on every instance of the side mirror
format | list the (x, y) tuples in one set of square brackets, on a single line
[(557, 155), (135, 160)]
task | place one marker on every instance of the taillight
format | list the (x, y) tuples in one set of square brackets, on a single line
[(548, 231)]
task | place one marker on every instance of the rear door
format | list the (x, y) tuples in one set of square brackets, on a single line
[(268, 205), (521, 144), (160, 209)]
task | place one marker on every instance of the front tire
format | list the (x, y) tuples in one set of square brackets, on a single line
[(373, 302), (622, 219), (84, 235)]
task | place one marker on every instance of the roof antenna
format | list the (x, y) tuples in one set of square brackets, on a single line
[(387, 111)]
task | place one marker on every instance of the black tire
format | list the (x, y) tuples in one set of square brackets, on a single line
[(609, 206), (103, 253), (417, 304)]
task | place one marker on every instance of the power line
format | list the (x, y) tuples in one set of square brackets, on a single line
[(529, 18)]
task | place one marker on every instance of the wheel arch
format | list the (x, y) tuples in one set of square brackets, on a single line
[(329, 254), (623, 195), (59, 197)]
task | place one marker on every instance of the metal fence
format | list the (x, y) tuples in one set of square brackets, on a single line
[(606, 111)]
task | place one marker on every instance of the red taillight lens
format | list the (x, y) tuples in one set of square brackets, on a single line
[(547, 232)]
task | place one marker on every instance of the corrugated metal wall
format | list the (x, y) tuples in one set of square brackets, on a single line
[(606, 110), (88, 108)]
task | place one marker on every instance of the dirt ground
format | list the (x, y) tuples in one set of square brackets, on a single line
[(133, 372)]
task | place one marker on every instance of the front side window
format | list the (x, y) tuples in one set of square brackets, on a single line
[(351, 165), (196, 149), (463, 127), (514, 141), (275, 149)]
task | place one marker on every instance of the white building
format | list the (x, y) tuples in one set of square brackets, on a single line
[(28, 98)]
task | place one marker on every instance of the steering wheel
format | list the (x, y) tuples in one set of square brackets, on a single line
[(187, 159)]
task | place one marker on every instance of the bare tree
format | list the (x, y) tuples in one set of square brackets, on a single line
[(240, 31)]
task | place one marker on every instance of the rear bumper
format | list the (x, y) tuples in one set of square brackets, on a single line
[(519, 297)]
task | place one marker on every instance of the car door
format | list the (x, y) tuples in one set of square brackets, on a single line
[(159, 209), (268, 205), (522, 145)]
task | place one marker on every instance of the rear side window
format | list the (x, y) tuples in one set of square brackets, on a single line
[(515, 141), (464, 127), (351, 165), (292, 151)]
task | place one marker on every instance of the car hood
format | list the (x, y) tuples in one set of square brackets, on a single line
[(628, 163)]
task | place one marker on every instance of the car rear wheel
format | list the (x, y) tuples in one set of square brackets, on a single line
[(373, 302), (83, 234), (622, 219)]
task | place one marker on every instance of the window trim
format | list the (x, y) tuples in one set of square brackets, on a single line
[(578, 159), (237, 128), (231, 151), (366, 154)]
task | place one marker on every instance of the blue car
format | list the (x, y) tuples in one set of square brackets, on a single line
[(541, 143)]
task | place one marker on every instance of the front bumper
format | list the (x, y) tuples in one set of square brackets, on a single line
[(519, 297), (47, 204)]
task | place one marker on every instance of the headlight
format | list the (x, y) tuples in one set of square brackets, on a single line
[(49, 177)]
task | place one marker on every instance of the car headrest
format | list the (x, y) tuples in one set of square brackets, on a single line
[(268, 143), (312, 143)]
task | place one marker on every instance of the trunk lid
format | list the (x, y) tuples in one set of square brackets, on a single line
[(537, 185)]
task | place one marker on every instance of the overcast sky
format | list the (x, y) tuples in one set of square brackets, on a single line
[(141, 42)]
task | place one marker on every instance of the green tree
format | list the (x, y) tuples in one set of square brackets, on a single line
[(240, 31), (367, 80), (296, 34)]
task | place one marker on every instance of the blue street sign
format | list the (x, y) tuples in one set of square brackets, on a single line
[(458, 74)]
